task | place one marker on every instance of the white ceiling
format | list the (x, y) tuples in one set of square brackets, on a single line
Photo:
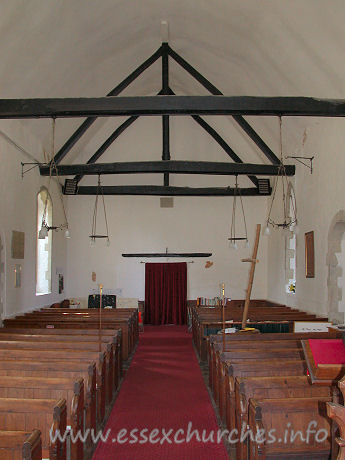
[(60, 48)]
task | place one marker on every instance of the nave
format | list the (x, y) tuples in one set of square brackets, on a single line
[(163, 389), (146, 394), (152, 154)]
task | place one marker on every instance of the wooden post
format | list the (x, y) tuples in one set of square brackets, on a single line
[(253, 262), (337, 413), (100, 318)]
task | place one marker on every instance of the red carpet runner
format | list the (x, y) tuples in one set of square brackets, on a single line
[(163, 389)]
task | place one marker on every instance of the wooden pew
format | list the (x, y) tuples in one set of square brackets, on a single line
[(241, 356), (68, 322), (71, 335), (266, 382), (75, 341), (274, 414), (51, 388), (336, 412), (61, 369), (73, 350), (205, 320), (262, 368), (217, 352), (51, 353), (20, 445), (268, 388), (128, 313), (45, 414), (234, 341), (76, 357), (59, 350), (251, 343), (126, 319)]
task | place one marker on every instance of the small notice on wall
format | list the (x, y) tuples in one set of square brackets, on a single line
[(305, 326), (61, 286), (18, 239)]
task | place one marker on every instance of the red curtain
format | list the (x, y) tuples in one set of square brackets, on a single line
[(166, 293)]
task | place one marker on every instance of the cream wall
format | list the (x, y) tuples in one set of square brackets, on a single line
[(138, 224), (320, 197), (18, 212), (194, 224)]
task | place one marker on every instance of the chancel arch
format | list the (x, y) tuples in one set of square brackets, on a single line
[(336, 268)]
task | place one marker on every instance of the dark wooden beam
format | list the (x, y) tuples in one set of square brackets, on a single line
[(171, 105), (194, 73), (166, 145), (169, 166), (256, 139), (165, 118), (215, 91), (225, 146), (108, 143), (168, 254), (216, 136), (161, 190), (117, 90), (118, 131)]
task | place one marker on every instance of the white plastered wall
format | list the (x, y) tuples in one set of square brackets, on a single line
[(320, 197), (18, 212), (138, 224), (91, 47)]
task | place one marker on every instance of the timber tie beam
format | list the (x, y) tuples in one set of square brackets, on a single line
[(167, 166), (166, 104), (170, 105)]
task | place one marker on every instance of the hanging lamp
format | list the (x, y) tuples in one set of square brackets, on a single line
[(43, 233), (94, 235), (288, 221), (233, 236)]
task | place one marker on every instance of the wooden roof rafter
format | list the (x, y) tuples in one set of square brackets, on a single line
[(165, 104)]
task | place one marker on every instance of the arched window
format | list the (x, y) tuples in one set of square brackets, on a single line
[(290, 245), (44, 243)]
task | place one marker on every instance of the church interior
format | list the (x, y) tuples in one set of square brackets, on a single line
[(172, 230)]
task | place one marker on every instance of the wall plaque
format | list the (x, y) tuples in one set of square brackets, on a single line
[(309, 255), (18, 239)]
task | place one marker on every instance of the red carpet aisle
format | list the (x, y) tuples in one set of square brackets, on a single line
[(163, 389)]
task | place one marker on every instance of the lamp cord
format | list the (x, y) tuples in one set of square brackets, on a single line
[(233, 221), (105, 214), (288, 219), (94, 219), (52, 167)]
